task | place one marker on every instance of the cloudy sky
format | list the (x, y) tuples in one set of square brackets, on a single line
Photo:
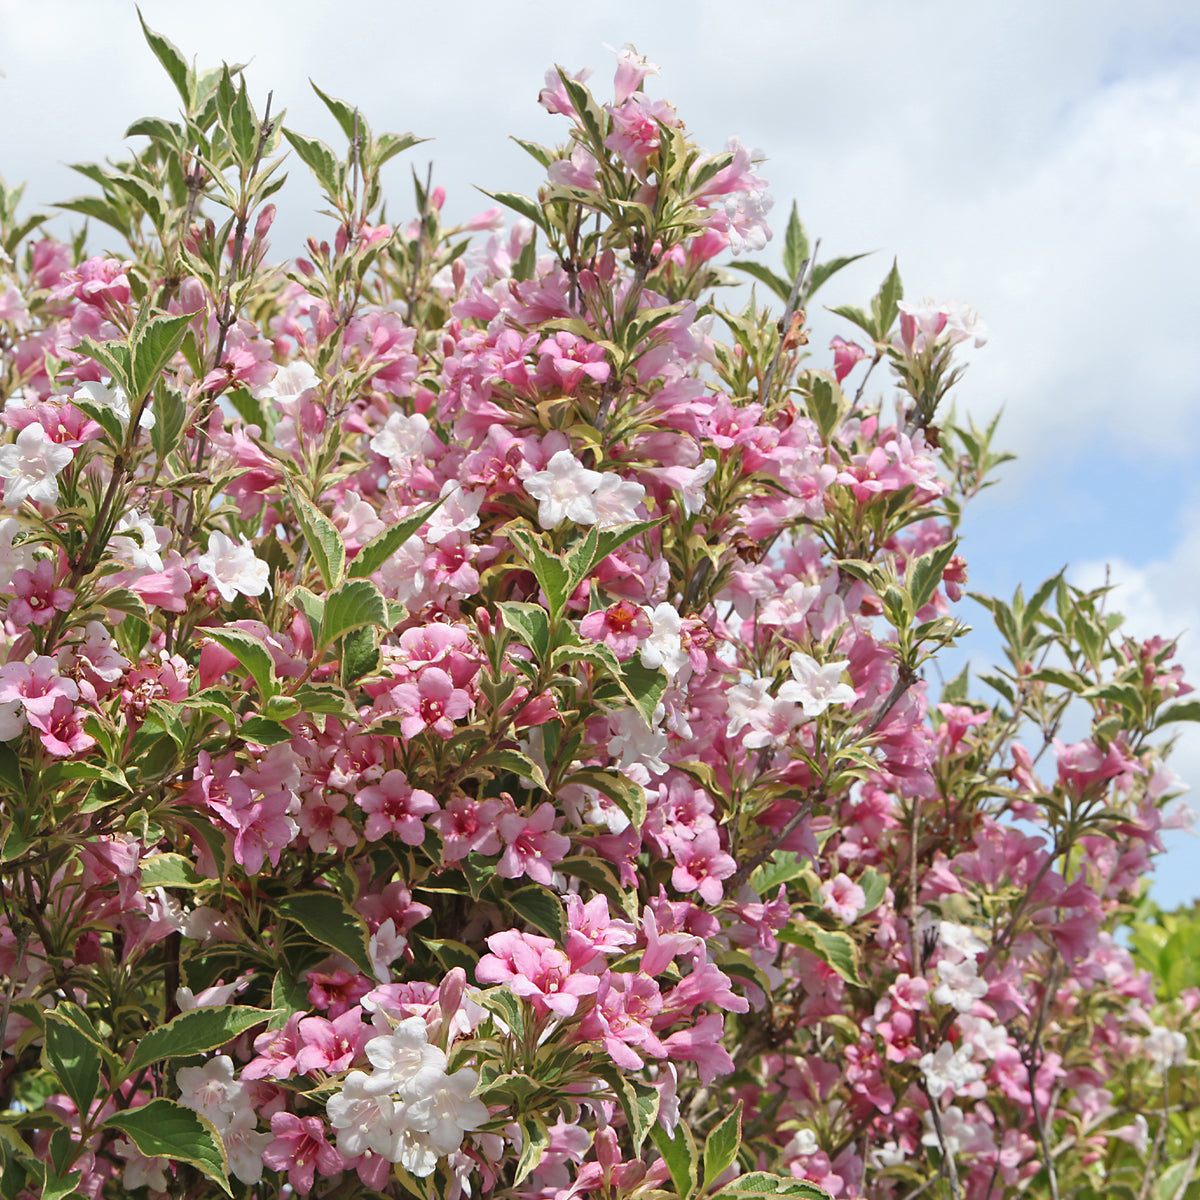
[(1040, 161)]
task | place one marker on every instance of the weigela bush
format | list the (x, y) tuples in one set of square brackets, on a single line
[(466, 713)]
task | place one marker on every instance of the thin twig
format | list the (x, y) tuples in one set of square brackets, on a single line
[(793, 304)]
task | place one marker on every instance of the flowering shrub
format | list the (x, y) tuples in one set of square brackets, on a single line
[(465, 722)]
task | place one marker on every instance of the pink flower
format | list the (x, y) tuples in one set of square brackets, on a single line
[(331, 1045), (531, 845), (537, 970), (261, 830), (62, 730), (37, 686), (37, 599), (395, 807), (842, 897), (621, 627), (468, 825), (846, 356), (701, 864), (433, 702), (300, 1149)]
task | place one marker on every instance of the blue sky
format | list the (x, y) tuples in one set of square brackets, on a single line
[(1040, 161)]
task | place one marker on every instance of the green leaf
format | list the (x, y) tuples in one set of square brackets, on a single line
[(324, 540), (761, 1183), (534, 1142), (195, 1032), (925, 573), (58, 1187), (644, 686), (347, 117), (530, 623), (381, 547), (549, 569), (638, 1099), (831, 946), (884, 305), (825, 404), (795, 247), (542, 909), (263, 732), (506, 1006), (169, 870), (105, 416), (721, 1147), (326, 917), (319, 159), (523, 205), (453, 954), (172, 61), (874, 887), (519, 764), (73, 1058), (679, 1153), (1181, 710), (355, 603), (252, 654), (776, 283), (288, 995), (170, 414), (156, 344), (162, 1128), (784, 866), (11, 779), (360, 655), (628, 795)]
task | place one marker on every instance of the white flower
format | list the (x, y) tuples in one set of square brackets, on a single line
[(459, 512), (635, 744), (692, 485), (289, 382), (386, 945), (566, 488), (211, 1090), (402, 439), (770, 718), (1165, 1048), (234, 568), (116, 399), (616, 500), (453, 1111), (663, 647), (140, 551), (950, 1070), (30, 466), (404, 1061), (141, 1171), (815, 687), (890, 1154), (245, 1145), (961, 1134), (958, 942), (364, 1120), (960, 985), (803, 1141)]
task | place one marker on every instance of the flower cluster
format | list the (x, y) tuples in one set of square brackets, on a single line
[(467, 723)]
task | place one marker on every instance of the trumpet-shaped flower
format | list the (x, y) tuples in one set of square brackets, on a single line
[(566, 488), (234, 568), (815, 687), (30, 466)]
